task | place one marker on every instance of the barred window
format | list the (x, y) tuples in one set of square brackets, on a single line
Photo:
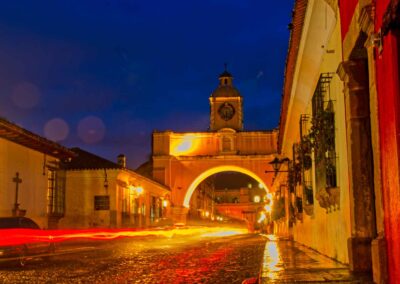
[(102, 202)]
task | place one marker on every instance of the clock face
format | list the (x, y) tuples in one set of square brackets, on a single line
[(226, 111)]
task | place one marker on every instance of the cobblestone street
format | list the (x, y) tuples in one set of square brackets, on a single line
[(189, 259), (177, 260)]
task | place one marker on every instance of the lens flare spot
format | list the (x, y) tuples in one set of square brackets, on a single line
[(56, 129), (25, 95), (91, 129)]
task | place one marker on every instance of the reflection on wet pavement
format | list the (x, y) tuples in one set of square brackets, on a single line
[(286, 261)]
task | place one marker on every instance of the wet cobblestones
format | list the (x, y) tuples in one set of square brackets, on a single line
[(286, 261), (189, 260)]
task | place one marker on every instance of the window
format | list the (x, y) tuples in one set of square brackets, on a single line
[(323, 132), (226, 144), (55, 192), (102, 202)]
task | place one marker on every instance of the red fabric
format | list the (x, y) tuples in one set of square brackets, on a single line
[(347, 8), (387, 76)]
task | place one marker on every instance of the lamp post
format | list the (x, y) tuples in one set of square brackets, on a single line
[(276, 164)]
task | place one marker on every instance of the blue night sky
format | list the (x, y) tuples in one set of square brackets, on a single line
[(103, 74)]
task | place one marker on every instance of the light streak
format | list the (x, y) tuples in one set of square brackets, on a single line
[(11, 237), (225, 233)]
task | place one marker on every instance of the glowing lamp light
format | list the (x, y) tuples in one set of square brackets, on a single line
[(138, 190), (269, 195), (268, 208), (207, 214), (257, 199), (260, 186), (262, 217), (184, 145), (165, 203)]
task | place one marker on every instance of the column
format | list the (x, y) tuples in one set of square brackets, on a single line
[(361, 184)]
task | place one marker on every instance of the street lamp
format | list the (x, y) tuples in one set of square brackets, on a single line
[(276, 164)]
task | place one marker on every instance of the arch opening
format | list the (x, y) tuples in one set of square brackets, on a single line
[(216, 170)]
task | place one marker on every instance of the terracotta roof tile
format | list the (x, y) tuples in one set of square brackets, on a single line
[(300, 8)]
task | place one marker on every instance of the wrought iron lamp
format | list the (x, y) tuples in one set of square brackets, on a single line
[(276, 165)]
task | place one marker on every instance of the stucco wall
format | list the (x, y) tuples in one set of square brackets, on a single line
[(81, 187), (326, 231), (214, 143), (33, 189)]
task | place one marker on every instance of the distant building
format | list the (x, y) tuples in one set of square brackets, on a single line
[(101, 193), (30, 184), (240, 195), (202, 203)]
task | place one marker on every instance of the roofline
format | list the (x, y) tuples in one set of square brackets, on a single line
[(269, 131), (14, 133), (121, 169), (300, 8)]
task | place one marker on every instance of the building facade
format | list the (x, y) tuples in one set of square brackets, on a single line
[(30, 184), (182, 161), (338, 131), (104, 194)]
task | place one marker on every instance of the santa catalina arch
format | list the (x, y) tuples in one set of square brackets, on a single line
[(182, 161)]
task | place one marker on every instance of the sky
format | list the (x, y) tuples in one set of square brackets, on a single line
[(102, 75)]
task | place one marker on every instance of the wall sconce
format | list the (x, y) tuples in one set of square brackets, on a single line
[(276, 165), (136, 190), (165, 203)]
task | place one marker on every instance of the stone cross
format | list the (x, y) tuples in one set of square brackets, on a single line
[(17, 181)]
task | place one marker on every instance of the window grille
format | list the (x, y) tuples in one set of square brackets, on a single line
[(323, 132), (55, 192), (102, 202)]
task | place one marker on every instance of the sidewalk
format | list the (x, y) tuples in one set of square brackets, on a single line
[(286, 261)]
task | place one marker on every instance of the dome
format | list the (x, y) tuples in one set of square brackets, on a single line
[(225, 74), (225, 91), (225, 88)]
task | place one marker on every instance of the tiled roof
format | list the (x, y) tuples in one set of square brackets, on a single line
[(300, 8), (146, 169), (86, 160), (19, 135)]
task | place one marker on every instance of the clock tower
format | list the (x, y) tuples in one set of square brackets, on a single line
[(226, 105)]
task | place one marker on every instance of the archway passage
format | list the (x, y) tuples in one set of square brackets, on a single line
[(216, 170), (229, 197), (182, 161)]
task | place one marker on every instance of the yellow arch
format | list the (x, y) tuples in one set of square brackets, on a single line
[(216, 170)]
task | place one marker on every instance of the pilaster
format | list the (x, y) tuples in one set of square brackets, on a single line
[(354, 73)]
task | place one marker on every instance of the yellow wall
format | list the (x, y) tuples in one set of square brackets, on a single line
[(33, 189), (83, 185), (320, 51), (325, 231), (214, 143)]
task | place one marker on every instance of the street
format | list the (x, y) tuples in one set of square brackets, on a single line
[(190, 255), (180, 259)]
